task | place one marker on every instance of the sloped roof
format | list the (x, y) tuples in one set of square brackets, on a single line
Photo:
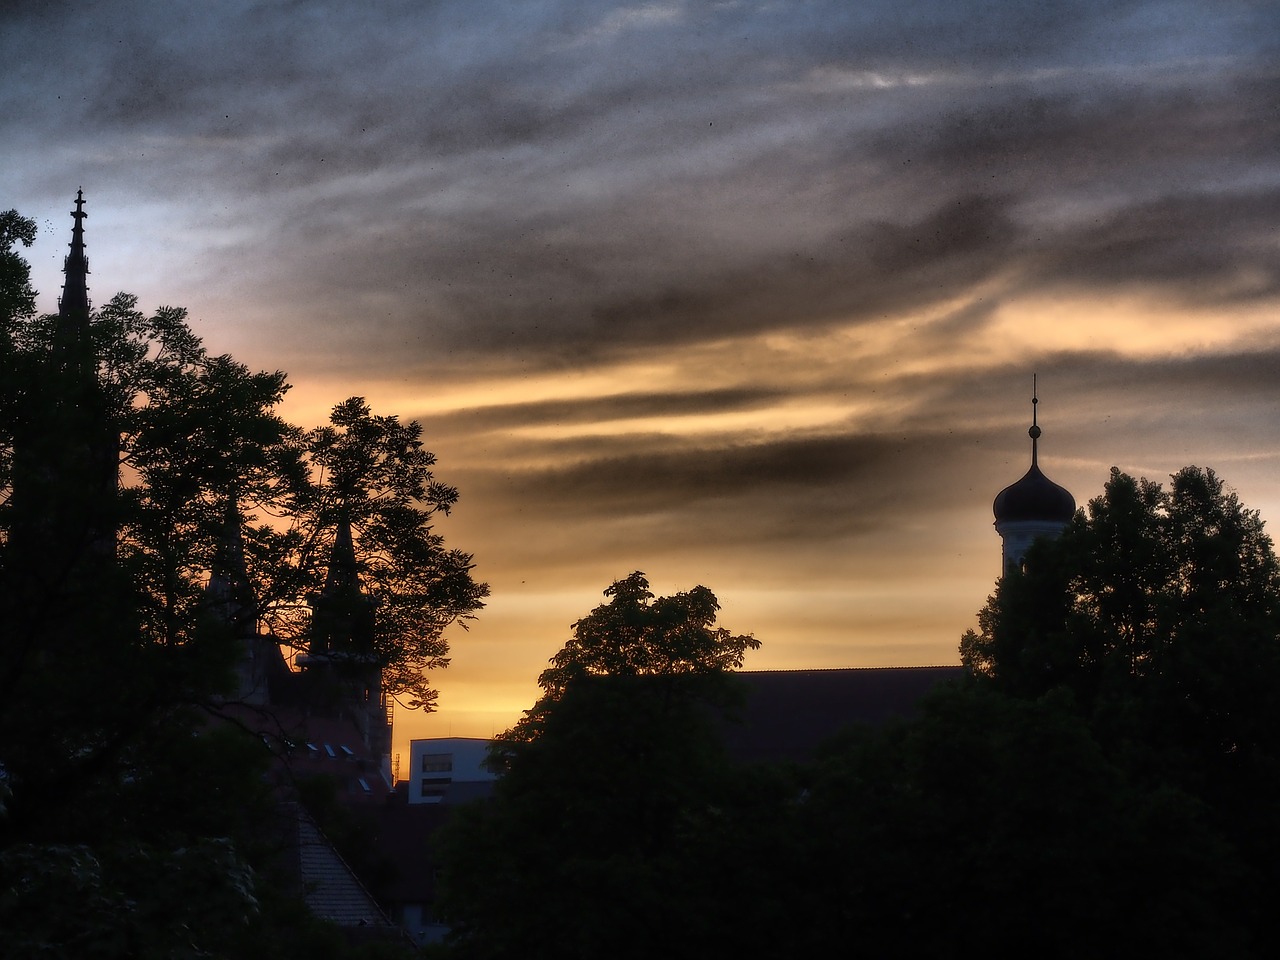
[(788, 713), (332, 892)]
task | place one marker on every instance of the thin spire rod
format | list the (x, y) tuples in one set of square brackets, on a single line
[(1034, 432)]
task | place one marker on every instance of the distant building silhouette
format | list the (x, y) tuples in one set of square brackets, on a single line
[(1033, 507), (341, 672), (787, 714), (448, 770), (66, 453), (332, 715), (330, 718)]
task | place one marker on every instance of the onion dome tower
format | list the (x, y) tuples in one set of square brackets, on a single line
[(1033, 507)]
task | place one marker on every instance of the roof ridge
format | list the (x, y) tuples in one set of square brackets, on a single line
[(921, 666)]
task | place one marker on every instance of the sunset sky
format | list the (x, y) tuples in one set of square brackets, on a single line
[(747, 294)]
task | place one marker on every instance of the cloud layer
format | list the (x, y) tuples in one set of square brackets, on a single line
[(743, 293)]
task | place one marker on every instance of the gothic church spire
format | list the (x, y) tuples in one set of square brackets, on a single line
[(73, 352)]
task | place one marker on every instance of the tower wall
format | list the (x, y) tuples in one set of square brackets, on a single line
[(1017, 537)]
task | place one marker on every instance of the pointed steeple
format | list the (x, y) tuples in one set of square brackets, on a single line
[(229, 591), (1033, 507), (342, 665), (75, 267), (342, 621), (343, 576), (73, 344), (230, 599), (66, 460)]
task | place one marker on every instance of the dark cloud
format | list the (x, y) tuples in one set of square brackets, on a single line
[(688, 499), (567, 180), (1198, 248), (946, 418), (795, 261), (623, 406)]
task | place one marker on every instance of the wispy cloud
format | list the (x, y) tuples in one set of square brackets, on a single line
[(742, 292)]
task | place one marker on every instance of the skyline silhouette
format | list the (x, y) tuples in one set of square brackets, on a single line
[(739, 295)]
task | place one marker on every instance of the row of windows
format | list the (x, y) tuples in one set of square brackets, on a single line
[(437, 763), (314, 751)]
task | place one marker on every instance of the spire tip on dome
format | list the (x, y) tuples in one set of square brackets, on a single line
[(1034, 432), (1035, 497)]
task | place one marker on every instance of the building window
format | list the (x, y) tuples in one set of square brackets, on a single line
[(437, 763)]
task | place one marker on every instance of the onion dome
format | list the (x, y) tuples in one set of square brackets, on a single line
[(1035, 497)]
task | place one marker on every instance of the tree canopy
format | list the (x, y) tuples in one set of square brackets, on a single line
[(614, 791), (1101, 784), (673, 640), (1156, 607), (1156, 615), (132, 460), (374, 473), (201, 439)]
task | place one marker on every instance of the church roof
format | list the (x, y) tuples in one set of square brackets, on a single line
[(787, 714)]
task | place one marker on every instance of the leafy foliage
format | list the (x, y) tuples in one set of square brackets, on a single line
[(130, 825), (64, 900), (597, 842), (999, 825), (17, 298), (1157, 615), (17, 304), (1101, 785), (199, 433), (1159, 610), (374, 473), (671, 639)]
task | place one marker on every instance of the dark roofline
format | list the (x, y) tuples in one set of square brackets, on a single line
[(807, 670), (786, 714)]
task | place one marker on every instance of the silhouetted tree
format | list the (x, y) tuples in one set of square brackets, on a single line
[(374, 473), (598, 841), (1158, 612), (17, 304), (110, 775), (998, 825)]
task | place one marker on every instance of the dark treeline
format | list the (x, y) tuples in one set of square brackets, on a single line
[(157, 518), (1102, 784)]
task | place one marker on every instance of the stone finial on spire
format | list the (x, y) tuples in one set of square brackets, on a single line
[(73, 351), (75, 267)]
